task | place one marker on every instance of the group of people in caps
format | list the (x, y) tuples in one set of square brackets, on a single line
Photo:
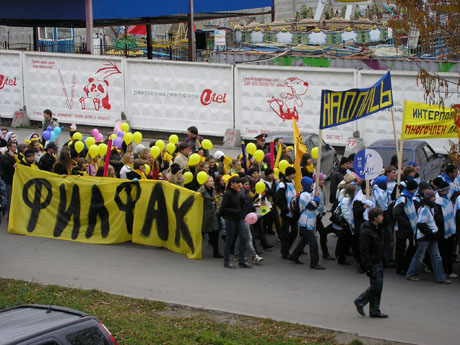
[(410, 227)]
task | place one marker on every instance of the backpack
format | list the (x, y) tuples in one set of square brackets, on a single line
[(294, 207), (337, 217)]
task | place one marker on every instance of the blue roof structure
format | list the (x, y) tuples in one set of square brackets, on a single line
[(109, 12)]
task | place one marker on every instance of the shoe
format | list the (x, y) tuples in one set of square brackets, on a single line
[(414, 279), (359, 308), (359, 269), (401, 272), (284, 256), (426, 269), (391, 264), (445, 281), (453, 275), (218, 255), (379, 315), (328, 257), (317, 267), (343, 262), (257, 259), (229, 266), (304, 252), (295, 260), (244, 265), (267, 246)]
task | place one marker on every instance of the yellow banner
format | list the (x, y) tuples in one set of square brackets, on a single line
[(106, 210), (300, 149), (427, 121)]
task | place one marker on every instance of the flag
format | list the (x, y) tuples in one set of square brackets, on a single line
[(300, 149)]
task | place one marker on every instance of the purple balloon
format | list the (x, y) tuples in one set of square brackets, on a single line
[(49, 128), (120, 134), (117, 142), (46, 135)]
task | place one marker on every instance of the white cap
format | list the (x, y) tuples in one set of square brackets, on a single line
[(218, 154)]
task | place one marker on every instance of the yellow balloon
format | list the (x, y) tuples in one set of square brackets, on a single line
[(102, 149), (160, 144), (283, 165), (147, 169), (260, 187), (259, 155), (94, 151), (90, 141), (188, 177), (137, 136), (206, 144), (202, 177), (171, 148), (128, 138), (173, 139), (225, 178), (124, 127), (251, 148), (79, 146), (276, 172), (112, 136), (77, 136), (155, 151), (314, 153), (194, 159)]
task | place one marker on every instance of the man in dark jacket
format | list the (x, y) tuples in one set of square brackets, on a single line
[(231, 210), (337, 177), (372, 252), (8, 162), (47, 160)]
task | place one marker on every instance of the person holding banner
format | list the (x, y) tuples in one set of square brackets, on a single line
[(63, 165), (48, 159), (285, 191), (337, 177)]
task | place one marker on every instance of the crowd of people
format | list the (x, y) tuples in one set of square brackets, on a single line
[(417, 220)]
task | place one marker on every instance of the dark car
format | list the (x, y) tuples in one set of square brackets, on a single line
[(414, 151), (33, 324), (328, 155)]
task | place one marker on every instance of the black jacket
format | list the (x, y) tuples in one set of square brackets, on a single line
[(404, 226), (280, 197), (336, 178), (231, 207), (46, 162), (8, 163), (370, 245), (358, 215)]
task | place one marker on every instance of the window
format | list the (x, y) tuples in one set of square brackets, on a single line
[(87, 336), (64, 33), (422, 157), (46, 33)]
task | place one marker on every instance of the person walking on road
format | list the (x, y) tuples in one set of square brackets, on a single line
[(372, 252)]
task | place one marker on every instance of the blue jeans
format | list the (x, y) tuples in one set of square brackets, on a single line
[(233, 228), (374, 292), (436, 261)]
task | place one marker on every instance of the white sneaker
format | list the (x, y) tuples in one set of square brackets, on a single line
[(453, 275), (257, 259)]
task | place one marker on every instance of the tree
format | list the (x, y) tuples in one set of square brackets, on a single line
[(437, 22)]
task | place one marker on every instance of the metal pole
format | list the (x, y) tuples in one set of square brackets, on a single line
[(148, 28), (191, 34), (36, 42), (89, 25), (273, 11)]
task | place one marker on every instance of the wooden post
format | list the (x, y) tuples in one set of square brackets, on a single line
[(368, 190), (191, 34), (400, 153), (148, 29), (318, 159), (89, 25), (273, 11), (394, 129)]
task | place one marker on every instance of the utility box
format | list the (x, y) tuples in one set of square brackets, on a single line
[(20, 119), (232, 137), (354, 144)]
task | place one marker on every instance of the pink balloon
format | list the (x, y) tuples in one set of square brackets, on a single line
[(94, 132), (251, 218), (99, 137)]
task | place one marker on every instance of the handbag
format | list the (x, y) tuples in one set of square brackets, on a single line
[(337, 217)]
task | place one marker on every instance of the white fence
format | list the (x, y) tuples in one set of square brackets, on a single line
[(171, 96)]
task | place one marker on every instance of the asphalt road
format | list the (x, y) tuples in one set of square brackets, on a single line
[(421, 313)]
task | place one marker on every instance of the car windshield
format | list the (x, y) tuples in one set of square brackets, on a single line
[(386, 155)]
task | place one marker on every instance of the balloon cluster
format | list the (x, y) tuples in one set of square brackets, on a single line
[(51, 134), (123, 135)]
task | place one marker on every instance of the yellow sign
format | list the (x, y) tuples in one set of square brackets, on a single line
[(427, 121), (300, 149), (105, 210)]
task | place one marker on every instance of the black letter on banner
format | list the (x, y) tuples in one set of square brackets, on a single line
[(63, 216), (97, 208), (128, 208), (160, 214), (181, 227), (36, 206)]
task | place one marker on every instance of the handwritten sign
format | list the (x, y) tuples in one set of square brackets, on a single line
[(368, 164)]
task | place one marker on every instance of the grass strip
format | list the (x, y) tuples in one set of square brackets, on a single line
[(138, 321)]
